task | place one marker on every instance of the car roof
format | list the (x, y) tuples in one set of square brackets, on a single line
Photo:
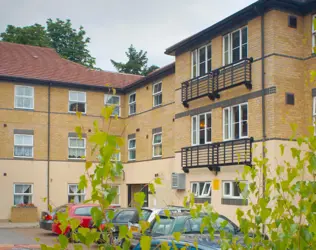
[(84, 205)]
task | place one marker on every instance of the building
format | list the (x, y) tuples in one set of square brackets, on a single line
[(236, 84)]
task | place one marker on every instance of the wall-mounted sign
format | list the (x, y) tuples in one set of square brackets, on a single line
[(216, 184)]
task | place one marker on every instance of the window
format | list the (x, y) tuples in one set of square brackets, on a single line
[(76, 148), (157, 145), (314, 114), (202, 129), (231, 189), (117, 155), (157, 94), (132, 149), (235, 122), (77, 101), (201, 189), (201, 61), (113, 100), (313, 34), (23, 146), (24, 97), (235, 46), (23, 194), (74, 194), (132, 104)]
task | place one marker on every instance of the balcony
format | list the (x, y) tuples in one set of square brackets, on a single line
[(211, 84), (215, 155)]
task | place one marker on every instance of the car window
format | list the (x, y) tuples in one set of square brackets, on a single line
[(228, 228), (187, 226), (145, 214), (83, 211), (164, 227), (124, 216), (196, 225)]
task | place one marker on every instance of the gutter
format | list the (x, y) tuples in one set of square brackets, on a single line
[(48, 147)]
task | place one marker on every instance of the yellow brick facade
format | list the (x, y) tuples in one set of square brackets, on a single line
[(288, 63)]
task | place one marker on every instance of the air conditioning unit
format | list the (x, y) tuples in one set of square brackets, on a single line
[(178, 181)]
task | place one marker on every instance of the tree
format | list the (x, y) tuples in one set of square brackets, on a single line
[(68, 42), (35, 35), (136, 64)]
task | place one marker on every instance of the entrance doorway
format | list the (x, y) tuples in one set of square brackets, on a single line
[(134, 188)]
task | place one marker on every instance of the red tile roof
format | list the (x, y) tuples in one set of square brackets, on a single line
[(25, 61)]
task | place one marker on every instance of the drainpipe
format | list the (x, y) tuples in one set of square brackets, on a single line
[(48, 146), (263, 103)]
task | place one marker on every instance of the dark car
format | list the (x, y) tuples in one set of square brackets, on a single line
[(186, 241)]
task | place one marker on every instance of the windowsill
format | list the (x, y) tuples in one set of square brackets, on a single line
[(157, 106), (75, 112), (76, 160), (131, 160), (132, 114), (23, 158), (25, 109), (202, 199), (157, 157)]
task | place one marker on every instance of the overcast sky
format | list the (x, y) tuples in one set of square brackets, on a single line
[(113, 25)]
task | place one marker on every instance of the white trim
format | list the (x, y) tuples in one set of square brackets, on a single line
[(23, 145), (85, 101), (231, 191), (130, 103), (24, 194), (230, 122), (196, 52), (230, 45), (106, 98), (313, 33), (157, 93), (197, 193), (77, 194), (197, 117), (155, 144), (84, 147), (130, 149), (22, 96)]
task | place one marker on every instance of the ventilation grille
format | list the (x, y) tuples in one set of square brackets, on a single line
[(178, 181)]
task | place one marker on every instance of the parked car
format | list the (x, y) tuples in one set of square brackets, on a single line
[(187, 242), (46, 220), (78, 211)]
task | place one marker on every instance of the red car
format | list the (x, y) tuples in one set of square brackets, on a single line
[(78, 211)]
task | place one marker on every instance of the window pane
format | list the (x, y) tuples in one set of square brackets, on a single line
[(132, 154), (209, 135), (207, 189), (28, 92), (157, 138), (194, 186), (157, 99), (116, 110), (132, 108), (19, 90), (132, 144), (80, 143), (227, 188), (27, 102), (28, 140), (202, 136), (157, 87), (18, 139), (202, 69), (244, 35), (110, 99), (194, 130), (201, 186), (202, 55), (236, 190), (236, 55), (193, 54), (209, 65), (226, 43), (209, 52), (236, 39), (244, 112), (226, 58), (77, 106), (244, 131), (132, 98), (236, 114), (244, 51), (208, 120), (202, 121), (157, 150), (81, 97), (236, 131), (73, 96)]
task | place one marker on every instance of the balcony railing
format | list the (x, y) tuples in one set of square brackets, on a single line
[(211, 84), (215, 155)]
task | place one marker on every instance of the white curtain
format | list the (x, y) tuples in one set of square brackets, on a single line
[(20, 189), (74, 190)]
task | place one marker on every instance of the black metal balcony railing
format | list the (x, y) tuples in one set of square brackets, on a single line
[(220, 79), (215, 155)]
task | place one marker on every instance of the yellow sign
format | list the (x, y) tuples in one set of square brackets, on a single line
[(216, 184)]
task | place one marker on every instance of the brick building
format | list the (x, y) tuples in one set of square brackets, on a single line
[(236, 84)]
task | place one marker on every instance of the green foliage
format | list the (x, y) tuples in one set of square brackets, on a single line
[(136, 64), (60, 35)]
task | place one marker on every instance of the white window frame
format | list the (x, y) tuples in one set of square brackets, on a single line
[(85, 147), (231, 184), (196, 53), (230, 124), (197, 129), (24, 145), (131, 149), (313, 34), (78, 194), (230, 45), (23, 96), (106, 98), (131, 103), (23, 194), (155, 144), (85, 101), (196, 194), (156, 94)]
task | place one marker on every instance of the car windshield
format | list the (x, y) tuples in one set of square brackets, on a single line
[(124, 216), (145, 214), (164, 227), (196, 225)]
